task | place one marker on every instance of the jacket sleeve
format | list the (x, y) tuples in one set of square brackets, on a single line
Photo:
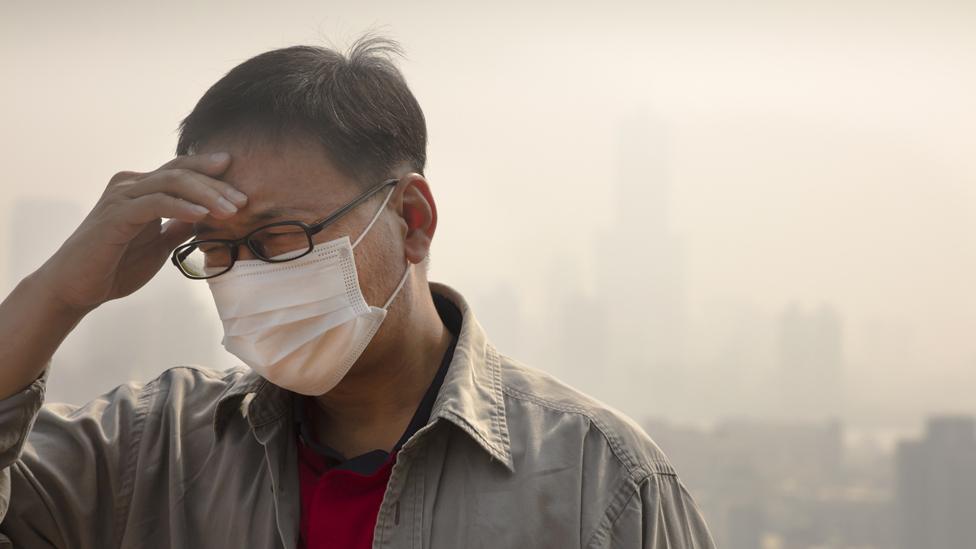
[(657, 513), (66, 471)]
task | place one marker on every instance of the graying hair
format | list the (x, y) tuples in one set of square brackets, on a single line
[(358, 105)]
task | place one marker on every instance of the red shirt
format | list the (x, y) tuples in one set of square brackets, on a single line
[(341, 498), (339, 505)]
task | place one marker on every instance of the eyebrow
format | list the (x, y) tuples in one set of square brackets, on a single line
[(264, 215)]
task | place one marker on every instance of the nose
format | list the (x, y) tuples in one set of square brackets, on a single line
[(244, 253)]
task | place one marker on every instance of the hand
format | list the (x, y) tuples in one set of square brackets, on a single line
[(120, 245)]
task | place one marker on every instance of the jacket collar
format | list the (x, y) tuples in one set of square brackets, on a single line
[(470, 397)]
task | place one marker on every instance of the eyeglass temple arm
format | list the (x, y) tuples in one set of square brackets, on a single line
[(317, 226)]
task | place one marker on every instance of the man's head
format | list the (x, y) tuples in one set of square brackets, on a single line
[(308, 130), (357, 106)]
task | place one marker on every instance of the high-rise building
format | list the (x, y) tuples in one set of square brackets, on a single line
[(936, 486), (36, 228), (169, 322), (640, 275), (500, 311), (811, 363), (745, 526), (577, 331), (780, 483)]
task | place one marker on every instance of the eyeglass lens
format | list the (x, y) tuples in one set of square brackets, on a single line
[(276, 243)]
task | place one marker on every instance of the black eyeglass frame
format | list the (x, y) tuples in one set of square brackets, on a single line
[(311, 229)]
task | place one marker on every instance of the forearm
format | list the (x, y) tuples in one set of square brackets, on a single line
[(33, 323)]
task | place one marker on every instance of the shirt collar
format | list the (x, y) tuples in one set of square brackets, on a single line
[(255, 398), (369, 462), (470, 396)]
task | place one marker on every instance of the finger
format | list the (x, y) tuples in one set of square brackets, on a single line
[(235, 196), (190, 186), (150, 207), (124, 175), (210, 164)]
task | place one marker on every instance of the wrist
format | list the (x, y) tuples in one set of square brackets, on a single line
[(38, 289)]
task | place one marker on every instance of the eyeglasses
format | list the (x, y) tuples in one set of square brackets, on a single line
[(275, 243)]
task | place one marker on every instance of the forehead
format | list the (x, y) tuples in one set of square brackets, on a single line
[(288, 176)]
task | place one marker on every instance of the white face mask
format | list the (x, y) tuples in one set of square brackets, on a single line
[(301, 324)]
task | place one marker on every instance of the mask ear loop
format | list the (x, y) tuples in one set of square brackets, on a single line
[(398, 288), (375, 217), (366, 230)]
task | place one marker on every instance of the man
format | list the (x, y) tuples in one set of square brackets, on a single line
[(371, 411)]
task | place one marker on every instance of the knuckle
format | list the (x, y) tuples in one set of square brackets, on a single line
[(189, 181), (114, 195), (226, 187), (178, 173), (178, 160), (122, 176), (118, 191), (158, 205)]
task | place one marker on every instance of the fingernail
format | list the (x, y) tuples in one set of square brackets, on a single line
[(198, 209), (219, 157), (225, 205), (237, 196)]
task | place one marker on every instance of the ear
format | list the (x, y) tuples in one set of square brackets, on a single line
[(419, 214)]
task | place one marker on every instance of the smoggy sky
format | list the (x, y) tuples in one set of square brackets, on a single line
[(810, 152)]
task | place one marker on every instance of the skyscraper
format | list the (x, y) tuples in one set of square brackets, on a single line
[(168, 322), (641, 273), (811, 363), (936, 490), (578, 331), (36, 227)]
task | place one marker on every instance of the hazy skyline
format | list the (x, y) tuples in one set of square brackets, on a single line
[(816, 155)]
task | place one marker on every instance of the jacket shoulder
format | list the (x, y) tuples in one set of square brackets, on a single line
[(196, 385), (191, 376), (632, 447), (177, 392), (191, 384)]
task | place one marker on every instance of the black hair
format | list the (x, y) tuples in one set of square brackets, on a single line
[(357, 105)]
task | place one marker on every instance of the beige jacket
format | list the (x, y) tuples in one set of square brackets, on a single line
[(197, 458)]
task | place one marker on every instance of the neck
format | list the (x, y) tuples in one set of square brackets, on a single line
[(373, 404)]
